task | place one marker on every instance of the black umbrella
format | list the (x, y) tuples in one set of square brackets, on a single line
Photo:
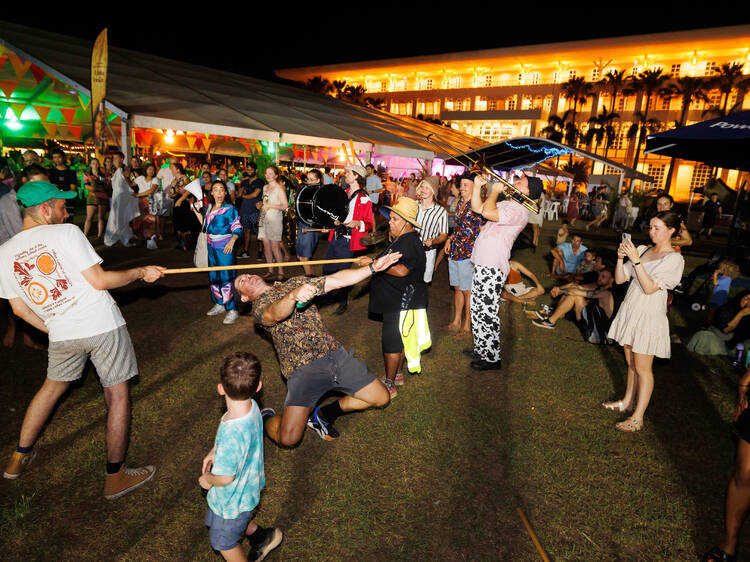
[(722, 142)]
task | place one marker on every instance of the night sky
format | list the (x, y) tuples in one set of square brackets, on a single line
[(240, 40)]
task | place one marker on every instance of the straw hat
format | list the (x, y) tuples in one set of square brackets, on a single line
[(406, 208), (432, 182)]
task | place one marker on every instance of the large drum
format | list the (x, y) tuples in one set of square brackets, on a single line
[(319, 206)]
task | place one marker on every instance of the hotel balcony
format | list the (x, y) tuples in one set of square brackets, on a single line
[(509, 115)]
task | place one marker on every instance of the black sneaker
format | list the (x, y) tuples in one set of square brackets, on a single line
[(263, 541), (324, 429)]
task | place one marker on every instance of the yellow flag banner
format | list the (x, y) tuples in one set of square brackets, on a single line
[(99, 57)]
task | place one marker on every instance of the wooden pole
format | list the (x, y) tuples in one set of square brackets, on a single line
[(537, 544), (257, 265)]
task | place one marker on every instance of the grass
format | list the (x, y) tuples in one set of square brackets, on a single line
[(438, 474)]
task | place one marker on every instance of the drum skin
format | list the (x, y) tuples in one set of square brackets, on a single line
[(319, 206)]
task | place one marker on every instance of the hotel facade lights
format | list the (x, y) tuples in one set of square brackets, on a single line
[(517, 91)]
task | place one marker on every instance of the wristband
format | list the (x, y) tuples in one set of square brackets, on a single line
[(372, 269), (636, 263)]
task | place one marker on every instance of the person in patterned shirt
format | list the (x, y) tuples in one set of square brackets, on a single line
[(458, 249), (311, 360)]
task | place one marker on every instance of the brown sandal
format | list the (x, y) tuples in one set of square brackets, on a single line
[(629, 425)]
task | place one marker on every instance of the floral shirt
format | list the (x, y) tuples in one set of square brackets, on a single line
[(465, 231), (301, 338)]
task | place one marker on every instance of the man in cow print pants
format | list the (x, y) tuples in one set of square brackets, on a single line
[(505, 220)]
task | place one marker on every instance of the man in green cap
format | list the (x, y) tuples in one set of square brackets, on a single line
[(53, 279)]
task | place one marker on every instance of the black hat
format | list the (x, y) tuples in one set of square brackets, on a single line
[(535, 187)]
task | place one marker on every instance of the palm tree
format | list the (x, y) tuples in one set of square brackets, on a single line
[(579, 170), (615, 81), (555, 129), (598, 127), (354, 94), (377, 103), (577, 90), (649, 83), (689, 89), (728, 74), (742, 88), (339, 86), (318, 84)]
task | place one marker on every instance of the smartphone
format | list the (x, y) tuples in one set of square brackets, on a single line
[(625, 236)]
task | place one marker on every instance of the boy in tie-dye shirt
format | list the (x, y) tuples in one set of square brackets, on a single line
[(233, 470)]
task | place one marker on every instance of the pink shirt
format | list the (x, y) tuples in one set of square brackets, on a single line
[(492, 246)]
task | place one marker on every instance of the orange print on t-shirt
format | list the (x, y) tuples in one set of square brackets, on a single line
[(37, 293), (46, 263)]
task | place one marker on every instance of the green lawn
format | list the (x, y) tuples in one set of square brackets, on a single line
[(438, 474)]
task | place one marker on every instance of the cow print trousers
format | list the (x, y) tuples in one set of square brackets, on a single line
[(486, 286)]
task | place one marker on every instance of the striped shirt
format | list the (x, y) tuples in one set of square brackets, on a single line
[(434, 221)]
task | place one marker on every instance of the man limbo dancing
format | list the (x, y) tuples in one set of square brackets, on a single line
[(311, 360)]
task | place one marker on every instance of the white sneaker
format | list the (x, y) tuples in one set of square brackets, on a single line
[(231, 317), (215, 309)]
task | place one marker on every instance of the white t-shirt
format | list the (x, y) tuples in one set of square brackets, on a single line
[(144, 185), (166, 177), (42, 266)]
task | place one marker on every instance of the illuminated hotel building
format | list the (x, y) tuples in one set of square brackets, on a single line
[(502, 93)]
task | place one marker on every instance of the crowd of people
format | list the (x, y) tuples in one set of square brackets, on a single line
[(621, 298)]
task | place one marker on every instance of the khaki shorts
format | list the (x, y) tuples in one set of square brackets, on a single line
[(111, 353)]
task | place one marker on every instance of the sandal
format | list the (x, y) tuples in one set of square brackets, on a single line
[(717, 555), (629, 425), (618, 406)]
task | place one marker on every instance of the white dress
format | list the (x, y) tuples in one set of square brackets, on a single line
[(642, 320), (124, 209)]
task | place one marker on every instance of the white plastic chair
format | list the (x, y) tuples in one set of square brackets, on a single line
[(565, 203), (551, 211)]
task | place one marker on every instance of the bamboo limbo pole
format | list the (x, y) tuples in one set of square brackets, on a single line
[(537, 544), (257, 265)]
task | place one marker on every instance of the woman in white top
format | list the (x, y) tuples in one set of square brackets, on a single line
[(641, 325), (144, 226), (271, 220)]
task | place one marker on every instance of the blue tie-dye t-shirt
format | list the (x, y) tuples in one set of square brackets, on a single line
[(239, 452)]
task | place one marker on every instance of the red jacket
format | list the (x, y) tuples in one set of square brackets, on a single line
[(362, 212)]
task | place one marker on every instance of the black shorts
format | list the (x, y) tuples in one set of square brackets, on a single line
[(336, 371), (392, 342)]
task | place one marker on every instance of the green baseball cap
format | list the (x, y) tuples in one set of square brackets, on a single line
[(37, 192)]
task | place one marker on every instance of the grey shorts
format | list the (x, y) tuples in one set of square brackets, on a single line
[(460, 273), (111, 353), (336, 371)]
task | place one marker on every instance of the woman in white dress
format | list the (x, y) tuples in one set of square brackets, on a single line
[(145, 226), (641, 325), (271, 220), (124, 206)]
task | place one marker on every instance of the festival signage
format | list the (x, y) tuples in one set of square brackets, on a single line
[(99, 58)]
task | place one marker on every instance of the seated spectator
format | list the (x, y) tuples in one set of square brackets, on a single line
[(575, 297), (722, 279), (730, 326), (515, 290), (566, 257), (562, 233)]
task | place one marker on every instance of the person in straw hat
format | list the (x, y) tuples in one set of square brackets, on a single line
[(400, 287)]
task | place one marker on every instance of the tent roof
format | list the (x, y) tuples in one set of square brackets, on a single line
[(524, 152), (722, 142), (164, 93)]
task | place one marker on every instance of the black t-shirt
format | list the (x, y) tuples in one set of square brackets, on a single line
[(247, 186), (63, 179), (393, 294)]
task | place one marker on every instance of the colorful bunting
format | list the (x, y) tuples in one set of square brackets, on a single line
[(84, 100), (43, 111), (75, 131), (54, 115), (18, 109), (191, 140), (38, 73), (51, 129), (8, 87), (146, 136), (69, 113), (19, 66), (2, 60), (206, 143)]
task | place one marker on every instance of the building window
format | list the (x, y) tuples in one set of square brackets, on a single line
[(520, 78), (665, 101), (675, 71), (710, 69), (533, 78), (480, 104), (457, 82), (610, 171), (556, 77), (656, 171), (621, 104), (510, 103), (700, 176), (488, 81), (399, 86), (714, 98), (491, 105), (634, 71), (526, 102), (596, 74), (547, 105), (383, 86), (571, 74), (428, 84)]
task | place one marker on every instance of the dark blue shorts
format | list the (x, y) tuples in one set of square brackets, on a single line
[(249, 222), (227, 533), (306, 242)]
